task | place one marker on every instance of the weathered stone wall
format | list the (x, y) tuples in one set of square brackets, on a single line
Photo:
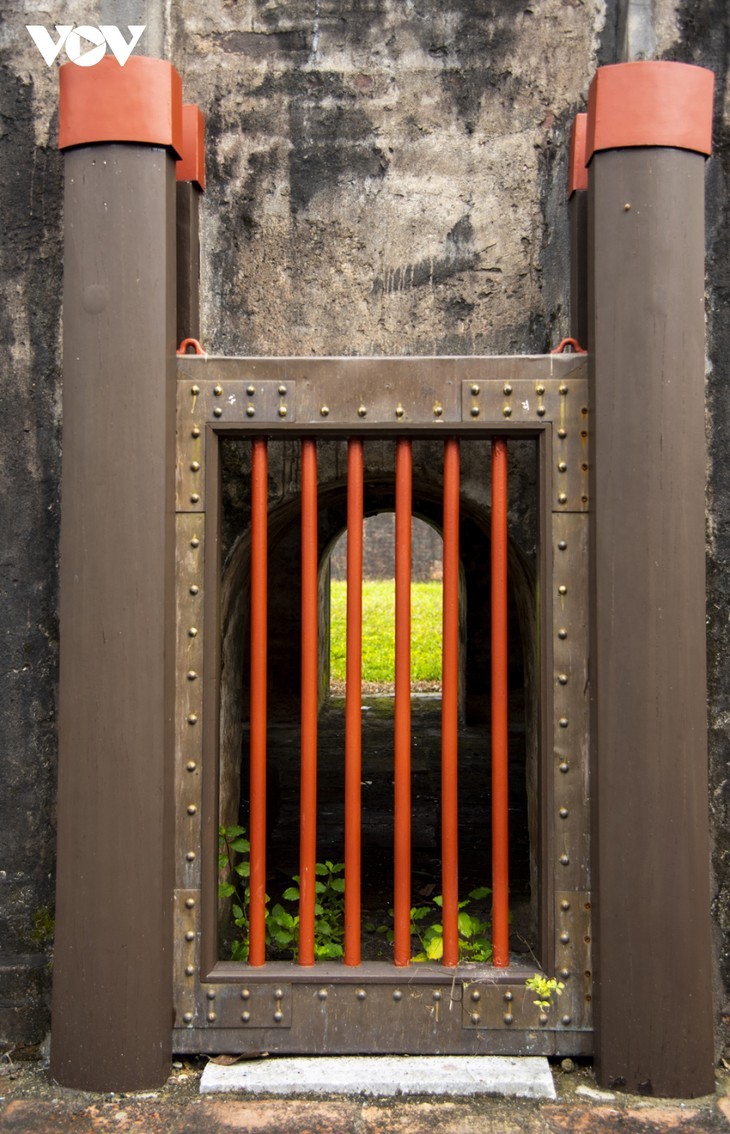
[(384, 177)]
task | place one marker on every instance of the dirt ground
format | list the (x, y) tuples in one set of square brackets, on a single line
[(30, 1103)]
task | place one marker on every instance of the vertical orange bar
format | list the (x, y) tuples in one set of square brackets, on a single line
[(257, 818), (353, 700), (450, 706), (402, 839), (500, 831), (310, 661)]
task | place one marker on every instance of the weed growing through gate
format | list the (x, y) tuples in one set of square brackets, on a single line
[(548, 989), (378, 643), (474, 942)]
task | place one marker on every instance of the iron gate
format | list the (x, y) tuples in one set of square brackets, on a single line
[(395, 1006)]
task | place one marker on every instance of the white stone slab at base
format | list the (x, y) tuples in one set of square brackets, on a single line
[(383, 1075)]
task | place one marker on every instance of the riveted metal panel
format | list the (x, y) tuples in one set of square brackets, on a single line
[(190, 556), (574, 953), (378, 1007), (571, 796), (186, 956)]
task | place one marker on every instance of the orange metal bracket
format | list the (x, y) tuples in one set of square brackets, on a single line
[(197, 348), (577, 172), (572, 343)]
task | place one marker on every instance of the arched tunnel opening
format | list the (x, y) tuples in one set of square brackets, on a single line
[(284, 680)]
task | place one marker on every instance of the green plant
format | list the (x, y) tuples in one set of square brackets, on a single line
[(44, 926), (548, 989), (474, 943), (233, 851), (329, 913)]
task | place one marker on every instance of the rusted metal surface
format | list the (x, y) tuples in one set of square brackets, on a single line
[(259, 649), (118, 637), (402, 794), (450, 707), (188, 260), (189, 605), (310, 660), (649, 782), (353, 707), (222, 385), (500, 829)]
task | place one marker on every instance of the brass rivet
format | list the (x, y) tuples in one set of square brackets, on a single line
[(217, 390), (475, 389), (282, 390), (507, 411), (564, 860), (195, 390), (438, 410), (194, 497), (437, 995), (362, 411), (250, 390), (190, 856), (508, 997), (627, 207), (188, 1017), (476, 994), (245, 994), (399, 411), (245, 1016), (278, 994), (250, 411), (195, 542), (475, 1017), (322, 994), (192, 675), (565, 904), (562, 634), (189, 903), (278, 1016), (189, 970), (282, 411), (562, 467), (540, 389), (565, 938), (211, 1017), (325, 411), (543, 1019), (564, 767), (565, 973), (563, 722), (194, 589), (397, 995), (566, 1020), (192, 809), (193, 632), (195, 431), (562, 679), (563, 389), (217, 411), (563, 812), (541, 411), (474, 411), (562, 498), (210, 994), (508, 1017), (192, 718), (361, 994), (562, 433), (507, 389), (562, 545), (191, 765), (562, 589), (190, 936)]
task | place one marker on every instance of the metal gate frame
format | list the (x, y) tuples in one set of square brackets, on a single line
[(377, 1007)]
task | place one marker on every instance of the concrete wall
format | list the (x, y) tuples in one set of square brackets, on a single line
[(384, 177)]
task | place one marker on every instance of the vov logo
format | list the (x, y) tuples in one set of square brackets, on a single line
[(85, 45)]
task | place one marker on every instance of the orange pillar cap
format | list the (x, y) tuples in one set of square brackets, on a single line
[(140, 102), (654, 103), (191, 166), (577, 172)]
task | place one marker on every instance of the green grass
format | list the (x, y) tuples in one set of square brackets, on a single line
[(378, 645)]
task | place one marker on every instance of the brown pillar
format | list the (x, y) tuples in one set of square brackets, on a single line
[(112, 996), (578, 221), (190, 184), (649, 128)]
